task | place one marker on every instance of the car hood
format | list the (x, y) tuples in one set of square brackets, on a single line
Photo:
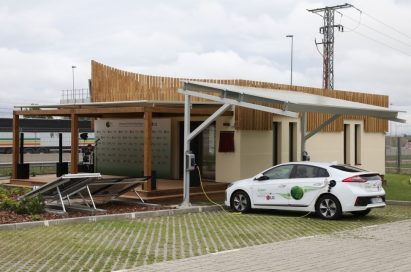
[(242, 182)]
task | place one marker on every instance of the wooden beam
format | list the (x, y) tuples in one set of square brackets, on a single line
[(113, 111), (55, 112), (16, 141), (148, 122), (74, 144), (94, 110)]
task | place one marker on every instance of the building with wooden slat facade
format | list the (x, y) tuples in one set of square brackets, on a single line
[(139, 119)]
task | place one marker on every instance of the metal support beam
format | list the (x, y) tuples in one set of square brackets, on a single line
[(234, 102), (208, 121), (320, 127), (61, 199), (303, 125), (91, 197), (186, 173)]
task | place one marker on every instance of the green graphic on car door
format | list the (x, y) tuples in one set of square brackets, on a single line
[(297, 192)]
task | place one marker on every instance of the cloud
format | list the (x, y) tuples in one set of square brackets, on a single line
[(40, 40), (35, 78)]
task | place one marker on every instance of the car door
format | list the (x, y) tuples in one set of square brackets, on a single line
[(306, 182), (271, 188)]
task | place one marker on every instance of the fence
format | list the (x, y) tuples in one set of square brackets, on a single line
[(398, 154), (75, 96), (36, 168)]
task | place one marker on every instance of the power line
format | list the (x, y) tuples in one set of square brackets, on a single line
[(388, 26), (358, 23), (375, 30), (382, 43)]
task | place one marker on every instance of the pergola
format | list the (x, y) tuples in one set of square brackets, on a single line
[(146, 109), (280, 102)]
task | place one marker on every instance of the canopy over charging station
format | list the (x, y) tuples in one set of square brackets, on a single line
[(284, 102)]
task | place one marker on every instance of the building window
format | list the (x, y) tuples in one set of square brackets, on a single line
[(292, 142), (357, 144), (276, 142), (346, 144), (226, 141)]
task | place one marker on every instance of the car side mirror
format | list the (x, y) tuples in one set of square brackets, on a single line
[(261, 177)]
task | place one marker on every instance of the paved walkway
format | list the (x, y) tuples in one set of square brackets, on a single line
[(377, 248)]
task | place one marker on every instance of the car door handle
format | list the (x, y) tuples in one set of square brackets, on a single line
[(281, 186)]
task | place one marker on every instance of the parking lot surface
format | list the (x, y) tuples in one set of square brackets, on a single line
[(384, 247)]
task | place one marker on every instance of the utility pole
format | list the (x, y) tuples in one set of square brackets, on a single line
[(328, 41)]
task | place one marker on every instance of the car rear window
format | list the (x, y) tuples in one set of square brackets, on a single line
[(348, 168)]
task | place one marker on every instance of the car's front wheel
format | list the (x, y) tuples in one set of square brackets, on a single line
[(240, 201), (328, 207), (361, 213)]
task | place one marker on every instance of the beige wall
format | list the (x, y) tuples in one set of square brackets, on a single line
[(326, 147), (253, 149), (227, 163), (373, 152), (329, 147)]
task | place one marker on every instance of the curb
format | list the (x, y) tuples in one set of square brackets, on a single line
[(98, 218), (398, 202)]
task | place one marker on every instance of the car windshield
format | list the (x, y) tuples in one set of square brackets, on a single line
[(348, 168)]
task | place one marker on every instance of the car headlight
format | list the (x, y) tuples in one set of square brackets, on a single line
[(229, 185)]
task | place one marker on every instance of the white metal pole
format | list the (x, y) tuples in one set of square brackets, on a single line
[(292, 53), (73, 95), (187, 105)]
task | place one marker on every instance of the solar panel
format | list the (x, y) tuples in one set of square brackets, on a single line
[(93, 184), (290, 100)]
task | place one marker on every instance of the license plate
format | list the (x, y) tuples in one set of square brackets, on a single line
[(376, 200)]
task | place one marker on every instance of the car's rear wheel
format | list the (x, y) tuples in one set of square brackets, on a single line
[(328, 207), (240, 201), (361, 213)]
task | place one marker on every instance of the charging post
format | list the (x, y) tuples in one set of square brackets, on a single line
[(187, 113), (189, 158)]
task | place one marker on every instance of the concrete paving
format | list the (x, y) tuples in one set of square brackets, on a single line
[(384, 247)]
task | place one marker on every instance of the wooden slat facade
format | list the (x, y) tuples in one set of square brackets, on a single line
[(110, 84)]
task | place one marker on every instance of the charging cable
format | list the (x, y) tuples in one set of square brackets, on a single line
[(208, 198)]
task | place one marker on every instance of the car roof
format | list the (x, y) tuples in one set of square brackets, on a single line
[(320, 164)]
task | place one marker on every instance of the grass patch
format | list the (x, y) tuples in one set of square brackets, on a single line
[(121, 244), (34, 170), (398, 187)]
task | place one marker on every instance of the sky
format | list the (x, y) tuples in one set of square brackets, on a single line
[(41, 40)]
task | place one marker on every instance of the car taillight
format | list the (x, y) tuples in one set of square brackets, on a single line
[(355, 179)]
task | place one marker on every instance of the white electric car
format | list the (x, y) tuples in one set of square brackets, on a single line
[(325, 188)]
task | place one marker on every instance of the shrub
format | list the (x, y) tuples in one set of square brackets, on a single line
[(32, 206), (36, 217), (7, 203)]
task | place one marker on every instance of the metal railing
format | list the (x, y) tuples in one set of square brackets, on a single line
[(75, 96), (36, 168)]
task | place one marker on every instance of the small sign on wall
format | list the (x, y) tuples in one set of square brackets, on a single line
[(120, 147)]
